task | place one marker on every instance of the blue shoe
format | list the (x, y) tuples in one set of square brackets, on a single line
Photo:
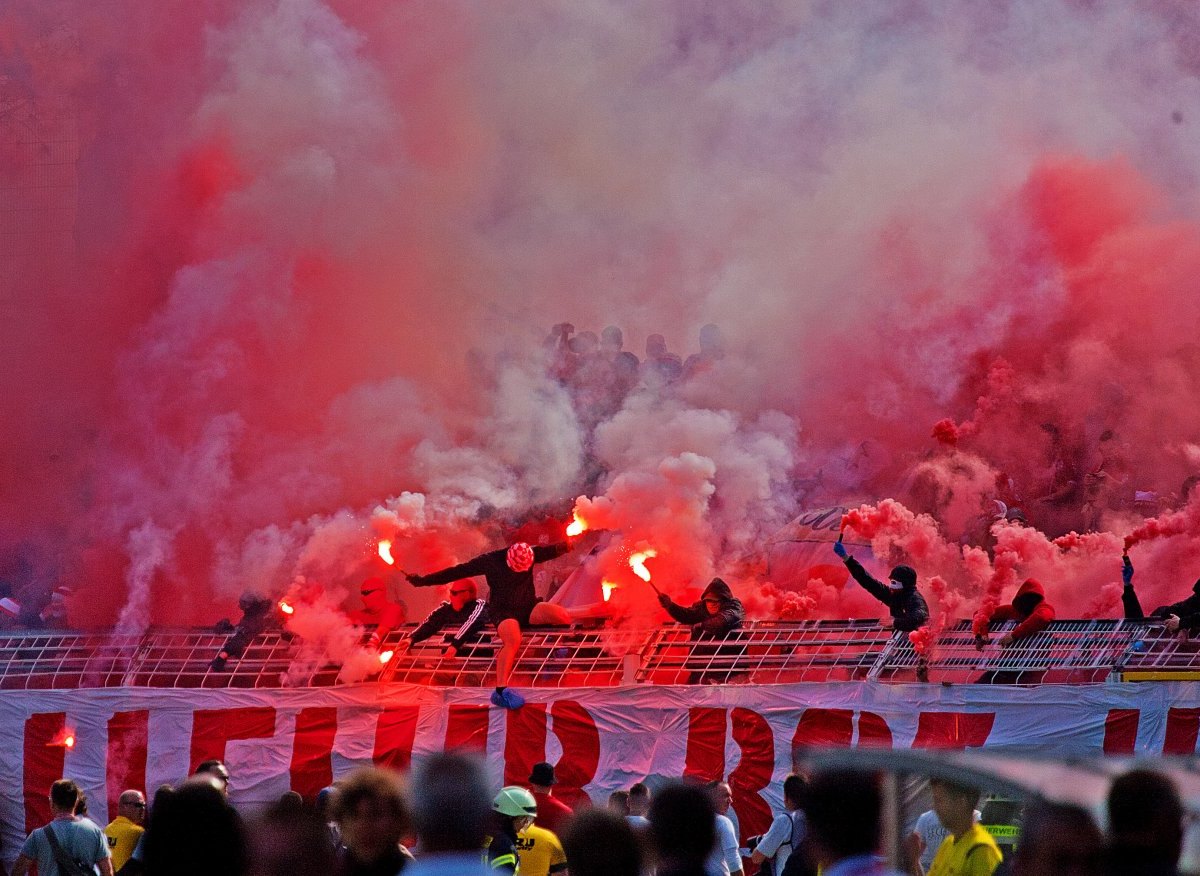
[(512, 699), (498, 699)]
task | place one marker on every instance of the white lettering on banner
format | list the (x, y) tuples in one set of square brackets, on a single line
[(609, 738)]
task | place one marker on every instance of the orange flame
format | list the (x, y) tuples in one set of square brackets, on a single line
[(577, 526), (64, 738), (385, 552), (637, 562), (286, 608), (606, 588), (385, 657)]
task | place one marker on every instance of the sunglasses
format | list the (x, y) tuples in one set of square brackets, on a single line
[(458, 592), (369, 592)]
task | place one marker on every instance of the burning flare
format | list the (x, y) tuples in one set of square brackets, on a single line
[(385, 552), (286, 607), (576, 527), (606, 588), (385, 657), (637, 562), (65, 738)]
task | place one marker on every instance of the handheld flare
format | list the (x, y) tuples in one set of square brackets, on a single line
[(576, 527), (385, 552), (637, 562)]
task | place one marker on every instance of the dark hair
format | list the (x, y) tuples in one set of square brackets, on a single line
[(639, 789), (795, 789), (844, 812), (452, 806), (1145, 811), (966, 792), (599, 843), (209, 766), (621, 799), (194, 832), (682, 825), (64, 794), (305, 849), (370, 783)]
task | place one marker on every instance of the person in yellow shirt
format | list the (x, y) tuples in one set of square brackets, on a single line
[(540, 852), (969, 850), (124, 831)]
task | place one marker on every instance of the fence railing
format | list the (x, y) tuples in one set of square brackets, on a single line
[(763, 652)]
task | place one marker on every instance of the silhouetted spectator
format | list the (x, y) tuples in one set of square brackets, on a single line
[(660, 366), (66, 836), (371, 811), (1145, 823), (1058, 840), (287, 840), (452, 815), (552, 813), (600, 843), (787, 829), (194, 832), (844, 821), (712, 350), (217, 773), (682, 829), (1182, 615), (639, 805), (623, 364), (618, 802)]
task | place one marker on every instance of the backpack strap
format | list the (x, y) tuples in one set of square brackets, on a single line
[(66, 866)]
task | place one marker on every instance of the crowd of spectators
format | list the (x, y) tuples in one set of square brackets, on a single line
[(443, 819)]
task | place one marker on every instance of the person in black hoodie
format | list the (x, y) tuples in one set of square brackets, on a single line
[(463, 612), (1182, 615), (717, 614), (908, 607)]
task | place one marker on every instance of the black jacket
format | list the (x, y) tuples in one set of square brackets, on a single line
[(704, 624), (465, 625), (908, 607), (1187, 610), (509, 593)]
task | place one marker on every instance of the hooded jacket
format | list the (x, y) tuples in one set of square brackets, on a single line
[(1029, 607), (908, 607), (1187, 610), (704, 624)]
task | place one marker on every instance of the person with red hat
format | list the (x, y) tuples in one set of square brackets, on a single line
[(512, 602)]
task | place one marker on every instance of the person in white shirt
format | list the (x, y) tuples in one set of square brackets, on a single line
[(725, 857), (786, 831)]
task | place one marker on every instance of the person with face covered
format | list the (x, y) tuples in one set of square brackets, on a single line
[(717, 614), (463, 615), (512, 602), (259, 614), (1183, 615), (378, 612), (907, 606), (1029, 608)]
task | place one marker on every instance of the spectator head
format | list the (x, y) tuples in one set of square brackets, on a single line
[(639, 799), (462, 592), (905, 576), (656, 346), (81, 806), (64, 795), (291, 801), (372, 813), (954, 805), (286, 841), (795, 788), (451, 808), (218, 771), (325, 801), (131, 805), (711, 340), (611, 339), (374, 593), (722, 796), (1145, 815), (253, 603), (541, 777), (682, 826), (618, 802), (843, 811), (600, 843), (1058, 840), (194, 831)]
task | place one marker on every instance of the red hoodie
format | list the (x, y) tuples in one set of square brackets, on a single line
[(1029, 607)]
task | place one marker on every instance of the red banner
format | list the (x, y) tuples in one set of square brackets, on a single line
[(600, 740)]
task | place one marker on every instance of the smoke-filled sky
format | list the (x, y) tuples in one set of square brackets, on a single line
[(278, 274)]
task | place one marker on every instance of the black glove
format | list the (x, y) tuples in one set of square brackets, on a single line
[(224, 626), (664, 600)]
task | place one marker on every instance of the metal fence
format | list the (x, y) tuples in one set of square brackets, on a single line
[(764, 652)]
